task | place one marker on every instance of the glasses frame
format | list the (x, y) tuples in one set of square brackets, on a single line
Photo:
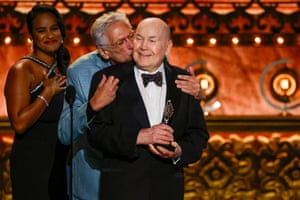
[(119, 43)]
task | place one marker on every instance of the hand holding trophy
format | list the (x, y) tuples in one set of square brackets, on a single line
[(168, 113)]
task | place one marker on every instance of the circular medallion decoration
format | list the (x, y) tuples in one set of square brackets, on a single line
[(282, 86), (208, 83)]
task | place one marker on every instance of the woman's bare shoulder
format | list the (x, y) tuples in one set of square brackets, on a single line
[(24, 70), (23, 65)]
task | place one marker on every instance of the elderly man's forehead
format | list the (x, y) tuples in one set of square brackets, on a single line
[(152, 21), (157, 25)]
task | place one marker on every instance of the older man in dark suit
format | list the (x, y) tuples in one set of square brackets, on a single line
[(152, 130)]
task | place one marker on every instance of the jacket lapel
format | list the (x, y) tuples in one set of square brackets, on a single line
[(173, 92), (139, 110)]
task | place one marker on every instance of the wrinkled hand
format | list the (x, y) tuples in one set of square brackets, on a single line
[(164, 153), (190, 85), (56, 84), (105, 93), (157, 134)]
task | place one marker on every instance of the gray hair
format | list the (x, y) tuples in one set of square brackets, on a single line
[(103, 22)]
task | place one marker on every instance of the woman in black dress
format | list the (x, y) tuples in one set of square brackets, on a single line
[(34, 92)]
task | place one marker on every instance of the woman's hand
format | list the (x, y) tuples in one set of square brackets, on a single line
[(55, 84)]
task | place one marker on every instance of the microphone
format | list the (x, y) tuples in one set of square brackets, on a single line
[(70, 94), (70, 98)]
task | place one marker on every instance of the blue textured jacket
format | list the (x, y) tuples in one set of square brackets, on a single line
[(86, 175)]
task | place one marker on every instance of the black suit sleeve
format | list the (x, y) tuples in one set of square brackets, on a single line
[(188, 122), (195, 136), (106, 134)]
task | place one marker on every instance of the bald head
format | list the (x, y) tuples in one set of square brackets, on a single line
[(157, 24), (151, 43)]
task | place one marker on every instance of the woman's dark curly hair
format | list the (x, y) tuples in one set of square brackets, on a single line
[(63, 56)]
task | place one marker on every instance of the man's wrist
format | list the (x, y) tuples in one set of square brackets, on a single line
[(178, 152)]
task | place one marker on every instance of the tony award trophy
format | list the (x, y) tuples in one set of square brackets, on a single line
[(168, 112)]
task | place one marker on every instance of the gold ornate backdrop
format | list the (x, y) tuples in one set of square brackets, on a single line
[(253, 167)]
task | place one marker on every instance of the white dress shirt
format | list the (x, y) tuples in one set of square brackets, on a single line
[(154, 96)]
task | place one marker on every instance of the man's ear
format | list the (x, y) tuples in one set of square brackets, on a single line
[(169, 46), (103, 53)]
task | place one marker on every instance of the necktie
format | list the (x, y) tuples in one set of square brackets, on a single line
[(157, 78)]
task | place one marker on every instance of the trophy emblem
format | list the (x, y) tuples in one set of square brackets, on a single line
[(168, 112)]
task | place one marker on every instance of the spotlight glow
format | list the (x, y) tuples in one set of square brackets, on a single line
[(235, 40), (190, 41), (76, 40), (212, 41), (7, 40), (284, 84), (204, 84), (257, 40), (280, 40)]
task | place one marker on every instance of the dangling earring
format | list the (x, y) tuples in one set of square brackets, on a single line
[(62, 41), (30, 42)]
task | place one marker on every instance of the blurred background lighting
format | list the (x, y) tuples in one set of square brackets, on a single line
[(212, 41), (204, 85), (7, 40), (76, 40), (257, 40), (280, 40), (190, 41), (235, 40)]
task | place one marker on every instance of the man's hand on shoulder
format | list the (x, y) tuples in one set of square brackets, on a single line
[(190, 85), (105, 93)]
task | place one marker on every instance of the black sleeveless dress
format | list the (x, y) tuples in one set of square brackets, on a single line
[(38, 159)]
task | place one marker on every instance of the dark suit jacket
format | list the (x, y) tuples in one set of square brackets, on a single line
[(130, 171)]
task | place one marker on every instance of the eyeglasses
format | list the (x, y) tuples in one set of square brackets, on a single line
[(119, 43)]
